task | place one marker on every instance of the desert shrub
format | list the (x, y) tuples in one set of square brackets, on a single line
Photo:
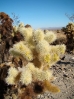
[(17, 36), (6, 29), (69, 32), (15, 19), (63, 29), (5, 25), (33, 55), (61, 38), (58, 31), (70, 17), (27, 26), (37, 53)]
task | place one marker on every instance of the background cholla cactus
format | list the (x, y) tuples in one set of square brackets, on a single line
[(5, 24), (38, 55), (17, 36), (5, 33), (69, 31)]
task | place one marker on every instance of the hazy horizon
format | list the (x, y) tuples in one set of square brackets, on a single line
[(39, 13)]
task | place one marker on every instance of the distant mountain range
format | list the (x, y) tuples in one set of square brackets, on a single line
[(52, 28)]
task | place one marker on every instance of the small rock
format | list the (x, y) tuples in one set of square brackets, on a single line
[(72, 59), (65, 75)]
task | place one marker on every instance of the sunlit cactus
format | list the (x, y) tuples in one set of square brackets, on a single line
[(69, 31), (37, 55), (70, 27)]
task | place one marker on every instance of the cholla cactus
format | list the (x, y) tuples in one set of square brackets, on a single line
[(38, 53), (69, 31), (70, 27), (50, 37)]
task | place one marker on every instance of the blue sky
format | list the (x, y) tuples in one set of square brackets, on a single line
[(39, 13)]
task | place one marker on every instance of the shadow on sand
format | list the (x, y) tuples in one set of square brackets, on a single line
[(63, 62)]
